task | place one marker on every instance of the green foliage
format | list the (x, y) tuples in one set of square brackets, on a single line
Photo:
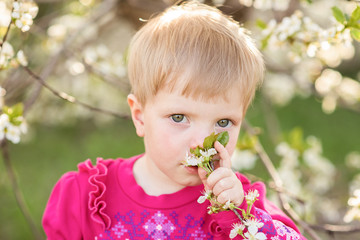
[(261, 24), (296, 139), (247, 141), (223, 138), (15, 113), (209, 141), (355, 34), (339, 15), (351, 22)]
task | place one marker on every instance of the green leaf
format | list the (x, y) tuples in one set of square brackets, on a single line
[(195, 151), (296, 139), (355, 15), (339, 15), (355, 34), (261, 24), (209, 141), (223, 138), (14, 111), (247, 141), (18, 110), (265, 41), (5, 110)]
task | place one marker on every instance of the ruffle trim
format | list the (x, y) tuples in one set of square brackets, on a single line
[(97, 204)]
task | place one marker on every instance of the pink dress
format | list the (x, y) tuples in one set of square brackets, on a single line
[(105, 202)]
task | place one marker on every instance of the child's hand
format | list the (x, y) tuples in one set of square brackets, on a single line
[(223, 182)]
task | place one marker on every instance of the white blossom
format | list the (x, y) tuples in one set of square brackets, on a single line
[(6, 54), (253, 233), (206, 195), (21, 58), (23, 13), (13, 133), (279, 88), (252, 196), (354, 203), (243, 159), (4, 123), (238, 228), (192, 160), (227, 205), (352, 160), (210, 152)]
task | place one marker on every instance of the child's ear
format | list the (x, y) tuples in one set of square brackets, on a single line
[(136, 114)]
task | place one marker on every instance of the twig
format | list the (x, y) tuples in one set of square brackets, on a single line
[(238, 215), (279, 184), (72, 99), (344, 229), (17, 192)]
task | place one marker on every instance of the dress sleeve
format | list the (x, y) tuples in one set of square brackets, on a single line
[(271, 221), (61, 218)]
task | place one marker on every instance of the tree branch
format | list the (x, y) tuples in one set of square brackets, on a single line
[(99, 13), (72, 99), (279, 184)]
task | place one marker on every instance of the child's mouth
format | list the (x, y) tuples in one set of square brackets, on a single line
[(192, 169)]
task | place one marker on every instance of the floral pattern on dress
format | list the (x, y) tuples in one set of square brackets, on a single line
[(285, 232), (155, 226), (159, 226)]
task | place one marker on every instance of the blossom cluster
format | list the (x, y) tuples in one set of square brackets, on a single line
[(8, 58), (250, 223), (202, 160), (336, 89), (305, 38), (354, 212), (281, 87), (23, 14), (12, 130), (107, 62), (203, 157), (306, 172)]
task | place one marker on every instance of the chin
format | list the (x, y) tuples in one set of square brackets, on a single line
[(193, 183)]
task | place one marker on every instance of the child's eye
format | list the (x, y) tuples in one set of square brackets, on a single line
[(178, 118), (224, 123)]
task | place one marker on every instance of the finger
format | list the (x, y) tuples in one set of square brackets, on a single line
[(218, 175), (223, 154), (225, 196), (222, 185)]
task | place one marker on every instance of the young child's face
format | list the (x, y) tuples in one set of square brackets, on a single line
[(171, 124)]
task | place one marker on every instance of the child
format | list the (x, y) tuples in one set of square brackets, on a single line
[(193, 71)]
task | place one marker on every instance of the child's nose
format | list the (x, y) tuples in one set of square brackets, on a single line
[(197, 139)]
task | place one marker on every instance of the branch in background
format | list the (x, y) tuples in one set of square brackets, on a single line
[(279, 184), (102, 11), (17, 192), (72, 99)]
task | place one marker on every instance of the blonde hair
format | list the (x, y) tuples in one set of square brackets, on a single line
[(196, 48)]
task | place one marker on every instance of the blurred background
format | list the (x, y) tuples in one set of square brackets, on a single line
[(59, 60)]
